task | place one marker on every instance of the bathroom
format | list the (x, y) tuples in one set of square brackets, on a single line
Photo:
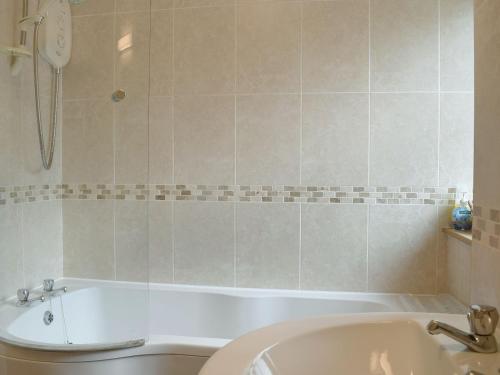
[(186, 184)]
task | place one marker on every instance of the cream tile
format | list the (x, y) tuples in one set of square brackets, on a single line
[(160, 140), (335, 45), (204, 243), (88, 141), (404, 51), (162, 4), (457, 45), (202, 3), (335, 133), (132, 5), (160, 242), (484, 275), (444, 216), (10, 109), (267, 245), (91, 58), (268, 139), (204, 140), (8, 16), (161, 65), (89, 7), (268, 47), (89, 239), (334, 247), (132, 37), (402, 249), (11, 267), (404, 140), (131, 141), (204, 46), (42, 242), (131, 240), (456, 149), (459, 270)]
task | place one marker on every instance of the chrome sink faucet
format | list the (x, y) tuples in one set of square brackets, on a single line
[(483, 321)]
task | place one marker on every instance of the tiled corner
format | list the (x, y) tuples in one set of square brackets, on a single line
[(404, 139), (335, 139), (335, 40), (268, 44), (267, 139), (267, 245), (405, 45), (204, 61), (89, 239), (334, 240), (402, 249), (204, 243), (204, 139), (131, 241)]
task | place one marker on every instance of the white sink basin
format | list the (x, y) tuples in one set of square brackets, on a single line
[(364, 344), (388, 348)]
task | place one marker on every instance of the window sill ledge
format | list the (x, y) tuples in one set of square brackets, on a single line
[(464, 236)]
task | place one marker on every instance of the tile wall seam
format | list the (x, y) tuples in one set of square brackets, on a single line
[(367, 256), (174, 11), (115, 66)]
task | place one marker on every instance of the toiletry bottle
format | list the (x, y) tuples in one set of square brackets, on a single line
[(462, 215)]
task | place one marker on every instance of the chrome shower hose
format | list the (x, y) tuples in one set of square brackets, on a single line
[(46, 154)]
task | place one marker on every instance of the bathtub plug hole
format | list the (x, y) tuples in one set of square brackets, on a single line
[(48, 318)]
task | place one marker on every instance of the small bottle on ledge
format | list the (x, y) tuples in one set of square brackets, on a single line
[(461, 216)]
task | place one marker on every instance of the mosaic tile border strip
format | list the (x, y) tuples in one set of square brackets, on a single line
[(486, 226), (371, 195)]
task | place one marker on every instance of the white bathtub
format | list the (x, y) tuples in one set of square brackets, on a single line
[(129, 328)]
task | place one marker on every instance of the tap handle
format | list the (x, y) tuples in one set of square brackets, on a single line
[(48, 285), (23, 295), (483, 319)]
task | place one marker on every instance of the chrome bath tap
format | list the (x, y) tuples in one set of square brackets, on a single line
[(482, 319), (48, 287), (23, 297)]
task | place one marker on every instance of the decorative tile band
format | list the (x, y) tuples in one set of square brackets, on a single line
[(371, 195), (486, 226)]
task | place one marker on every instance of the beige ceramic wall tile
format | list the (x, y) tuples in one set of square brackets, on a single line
[(160, 140), (335, 45), (204, 46), (459, 269), (161, 4), (204, 140), (89, 74), (131, 240), (88, 141), (8, 15), (334, 247), (487, 110), (89, 7), (267, 245), (484, 275), (268, 47), (456, 149), (160, 242), (131, 141), (202, 3), (89, 239), (444, 219), (204, 243), (11, 266), (335, 132), (404, 140), (457, 45), (404, 51), (42, 242), (268, 139), (132, 5), (161, 65), (402, 249), (10, 109)]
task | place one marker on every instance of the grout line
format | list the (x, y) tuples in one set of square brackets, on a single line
[(115, 66), (367, 258), (173, 144), (439, 97), (367, 247), (301, 129), (235, 245), (148, 151), (300, 245)]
